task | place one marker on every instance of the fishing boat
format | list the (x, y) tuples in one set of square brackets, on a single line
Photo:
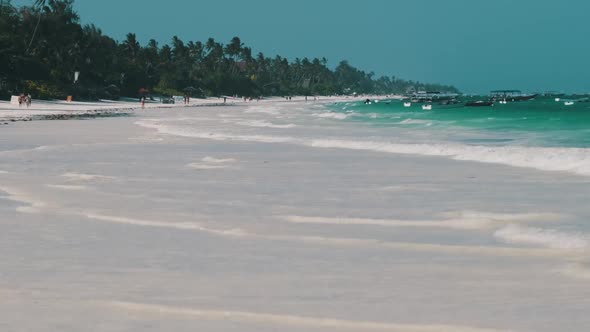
[(510, 95), (427, 107), (431, 97), (407, 104)]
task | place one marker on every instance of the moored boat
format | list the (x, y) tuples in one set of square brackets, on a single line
[(510, 95), (479, 103)]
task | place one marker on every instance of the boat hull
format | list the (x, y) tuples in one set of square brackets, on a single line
[(479, 104), (515, 98)]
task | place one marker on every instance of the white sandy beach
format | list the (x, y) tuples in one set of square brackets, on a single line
[(259, 217), (44, 108)]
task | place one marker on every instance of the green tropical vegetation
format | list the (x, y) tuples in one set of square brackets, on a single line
[(44, 44)]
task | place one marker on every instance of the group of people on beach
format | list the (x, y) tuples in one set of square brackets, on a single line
[(24, 99)]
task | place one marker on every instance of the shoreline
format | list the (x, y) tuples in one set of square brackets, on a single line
[(60, 110)]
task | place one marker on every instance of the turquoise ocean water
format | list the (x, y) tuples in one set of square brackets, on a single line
[(536, 123)]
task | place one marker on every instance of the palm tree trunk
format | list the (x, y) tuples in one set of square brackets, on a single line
[(39, 4), (34, 33)]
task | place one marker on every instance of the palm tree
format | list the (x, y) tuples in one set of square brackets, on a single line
[(131, 47), (40, 4)]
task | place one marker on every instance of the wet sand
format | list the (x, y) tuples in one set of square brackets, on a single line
[(122, 227)]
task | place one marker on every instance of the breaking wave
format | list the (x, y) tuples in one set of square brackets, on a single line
[(549, 238), (573, 160)]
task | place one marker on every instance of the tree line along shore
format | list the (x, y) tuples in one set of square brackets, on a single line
[(46, 52)]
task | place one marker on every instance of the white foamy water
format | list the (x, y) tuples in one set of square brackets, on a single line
[(331, 115), (204, 166), (414, 121), (573, 160), (195, 133), (468, 220), (210, 163), (30, 205), (265, 124), (67, 187), (86, 177), (192, 226), (218, 160), (507, 217), (542, 237), (451, 223)]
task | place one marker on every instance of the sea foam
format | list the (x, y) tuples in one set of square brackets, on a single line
[(265, 124), (86, 177), (331, 115), (233, 232), (67, 187), (465, 220), (465, 224), (573, 160), (416, 122), (210, 163), (194, 133), (549, 238), (32, 205)]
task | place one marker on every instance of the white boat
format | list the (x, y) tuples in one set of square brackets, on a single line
[(427, 107), (557, 99), (568, 103), (408, 104)]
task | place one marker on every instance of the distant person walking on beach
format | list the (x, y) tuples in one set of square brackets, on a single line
[(142, 100), (28, 100), (21, 100)]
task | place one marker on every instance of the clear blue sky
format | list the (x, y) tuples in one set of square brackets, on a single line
[(477, 45)]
